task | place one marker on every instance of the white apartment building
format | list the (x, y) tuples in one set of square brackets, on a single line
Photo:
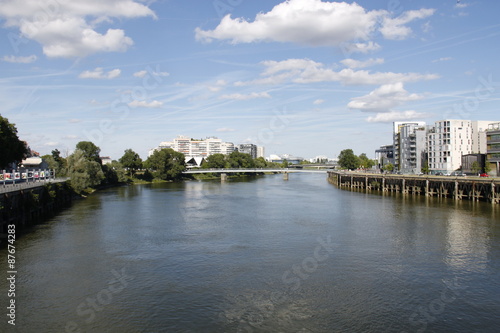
[(449, 139), (261, 152), (196, 148)]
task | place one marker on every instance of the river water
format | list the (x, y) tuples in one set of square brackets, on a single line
[(259, 255)]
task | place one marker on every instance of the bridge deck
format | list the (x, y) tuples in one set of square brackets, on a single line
[(254, 170)]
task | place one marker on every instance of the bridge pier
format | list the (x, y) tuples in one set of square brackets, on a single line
[(223, 177), (285, 175)]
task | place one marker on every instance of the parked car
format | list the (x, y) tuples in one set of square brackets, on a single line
[(484, 175), (458, 174)]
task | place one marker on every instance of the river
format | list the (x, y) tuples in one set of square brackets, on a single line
[(259, 255)]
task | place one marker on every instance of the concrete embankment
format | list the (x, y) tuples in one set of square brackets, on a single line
[(26, 207), (458, 188)]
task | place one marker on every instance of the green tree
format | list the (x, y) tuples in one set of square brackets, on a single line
[(260, 162), (131, 161), (347, 159), (90, 151), (284, 164), (425, 169), (83, 173), (239, 160), (475, 167), (487, 167), (166, 164), (389, 167), (12, 150), (61, 163), (215, 161), (365, 162)]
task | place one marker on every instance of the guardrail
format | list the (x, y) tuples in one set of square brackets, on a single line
[(7, 187)]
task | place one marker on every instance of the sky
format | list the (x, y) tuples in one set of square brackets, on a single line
[(302, 77)]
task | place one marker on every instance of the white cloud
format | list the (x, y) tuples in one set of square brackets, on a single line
[(309, 71), (241, 97), (351, 63), (143, 73), (217, 86), (364, 48), (98, 73), (67, 28), (442, 59), (20, 59), (394, 28), (383, 98), (389, 117), (310, 22), (225, 129), (140, 73), (314, 22), (143, 104), (461, 5), (318, 101)]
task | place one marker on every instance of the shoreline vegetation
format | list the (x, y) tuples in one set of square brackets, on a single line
[(87, 173)]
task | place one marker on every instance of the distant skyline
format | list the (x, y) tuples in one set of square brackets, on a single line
[(303, 77)]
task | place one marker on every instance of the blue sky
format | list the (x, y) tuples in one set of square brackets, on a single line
[(304, 77)]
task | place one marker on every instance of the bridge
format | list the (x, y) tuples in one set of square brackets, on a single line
[(224, 172)]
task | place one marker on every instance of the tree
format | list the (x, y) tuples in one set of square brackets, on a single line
[(260, 162), (284, 164), (347, 159), (166, 164), (365, 162), (425, 169), (83, 173), (90, 151), (12, 150), (215, 161), (131, 161), (239, 160), (389, 167), (475, 167)]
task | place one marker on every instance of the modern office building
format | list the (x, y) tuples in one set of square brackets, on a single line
[(409, 146), (248, 148), (493, 149), (194, 148)]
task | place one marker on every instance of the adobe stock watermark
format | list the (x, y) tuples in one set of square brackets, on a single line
[(255, 318), (120, 107), (424, 315), (483, 91), (88, 310), (278, 123), (223, 7)]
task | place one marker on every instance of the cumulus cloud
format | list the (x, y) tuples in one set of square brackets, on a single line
[(368, 47), (20, 59), (318, 101), (140, 73), (313, 22), (395, 28), (383, 98), (309, 71), (351, 63), (99, 73), (67, 28), (389, 117), (217, 86), (143, 104), (242, 97)]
